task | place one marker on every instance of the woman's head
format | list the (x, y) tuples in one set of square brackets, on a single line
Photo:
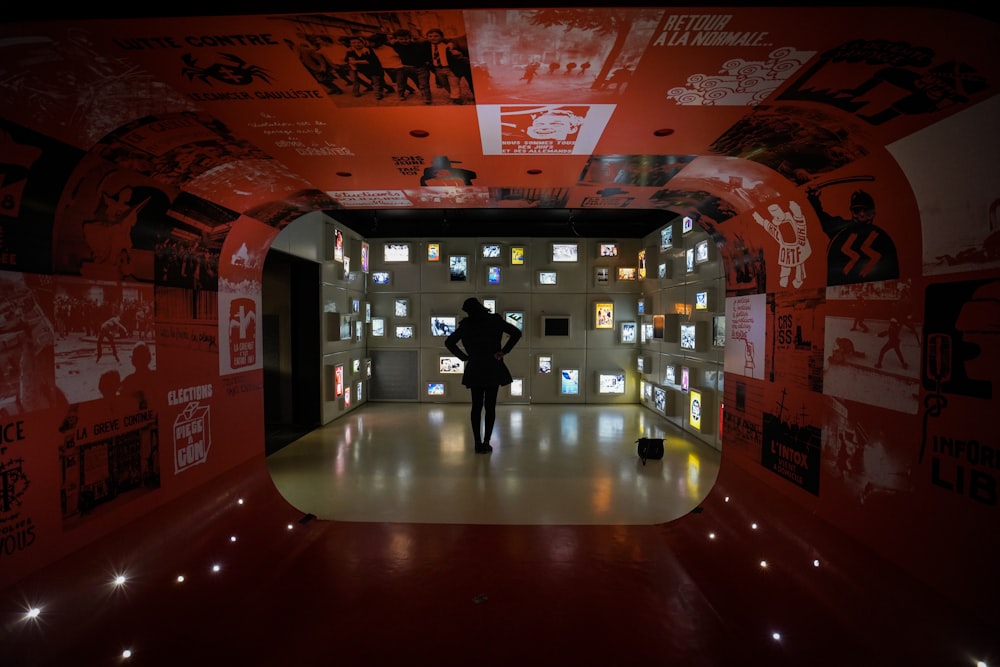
[(473, 307)]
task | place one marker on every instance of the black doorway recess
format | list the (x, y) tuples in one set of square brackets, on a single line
[(290, 302)]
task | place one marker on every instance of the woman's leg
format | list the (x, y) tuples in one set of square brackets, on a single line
[(478, 396), (490, 403)]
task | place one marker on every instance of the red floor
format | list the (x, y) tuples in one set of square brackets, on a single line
[(330, 593)]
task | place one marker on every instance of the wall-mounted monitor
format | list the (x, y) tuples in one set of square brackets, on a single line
[(695, 408), (338, 379), (544, 364), (641, 265), (604, 315), (565, 252), (640, 306), (434, 252), (516, 387), (689, 260), (687, 224), (643, 364), (658, 324), (401, 308), (703, 299), (569, 381), (688, 336), (667, 237), (646, 332), (458, 267), (628, 332), (517, 255), (610, 383), (491, 251), (719, 331), (661, 270), (685, 378), (515, 317), (660, 398), (338, 247), (627, 273), (669, 374), (451, 365), (602, 276), (490, 305), (607, 249), (378, 326), (547, 278), (365, 256), (404, 331), (493, 275), (381, 277), (702, 252), (396, 252), (435, 388), (443, 325), (355, 366), (556, 325)]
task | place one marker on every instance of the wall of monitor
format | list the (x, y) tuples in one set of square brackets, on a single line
[(603, 320)]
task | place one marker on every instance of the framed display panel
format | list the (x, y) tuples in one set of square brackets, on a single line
[(338, 380), (405, 331), (640, 306), (565, 252), (365, 256), (347, 397), (355, 306), (493, 275), (490, 305), (378, 326), (703, 299), (396, 252), (436, 388), (646, 332), (641, 265), (401, 308), (547, 277), (604, 315), (358, 391), (695, 407), (718, 330), (359, 330), (458, 267), (689, 260), (451, 365), (602, 276), (569, 381), (685, 378), (627, 273), (443, 325), (381, 277), (355, 366), (687, 224), (627, 332), (491, 251), (702, 252), (338, 247), (434, 252), (643, 364), (515, 317), (607, 249), (556, 325), (368, 368), (647, 391), (517, 255), (610, 383), (670, 374), (694, 336), (661, 271), (660, 399), (658, 326), (667, 237), (368, 312), (347, 267), (545, 364), (517, 387)]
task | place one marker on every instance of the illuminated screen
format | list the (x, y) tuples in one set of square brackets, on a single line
[(380, 277), (688, 224), (493, 275), (608, 250), (443, 326), (397, 252), (701, 252), (516, 318), (687, 336), (435, 388), (458, 267), (569, 381), (546, 277), (565, 252), (610, 383), (404, 331), (667, 237), (451, 365), (701, 301), (491, 250)]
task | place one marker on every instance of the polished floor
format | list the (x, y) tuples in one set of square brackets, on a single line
[(413, 463), (399, 546)]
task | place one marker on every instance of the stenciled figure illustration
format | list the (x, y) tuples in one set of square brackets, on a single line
[(859, 250), (788, 228), (442, 173)]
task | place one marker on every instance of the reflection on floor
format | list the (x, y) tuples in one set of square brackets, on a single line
[(747, 579), (551, 465)]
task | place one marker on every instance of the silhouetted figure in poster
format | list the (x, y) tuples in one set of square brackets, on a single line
[(136, 385), (441, 173), (481, 336), (110, 329), (859, 250), (891, 334)]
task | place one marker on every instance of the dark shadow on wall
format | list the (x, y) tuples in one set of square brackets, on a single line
[(291, 348)]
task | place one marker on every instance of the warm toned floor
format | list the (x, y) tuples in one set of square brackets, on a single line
[(558, 548)]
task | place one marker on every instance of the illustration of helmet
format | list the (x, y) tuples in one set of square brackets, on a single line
[(862, 198)]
